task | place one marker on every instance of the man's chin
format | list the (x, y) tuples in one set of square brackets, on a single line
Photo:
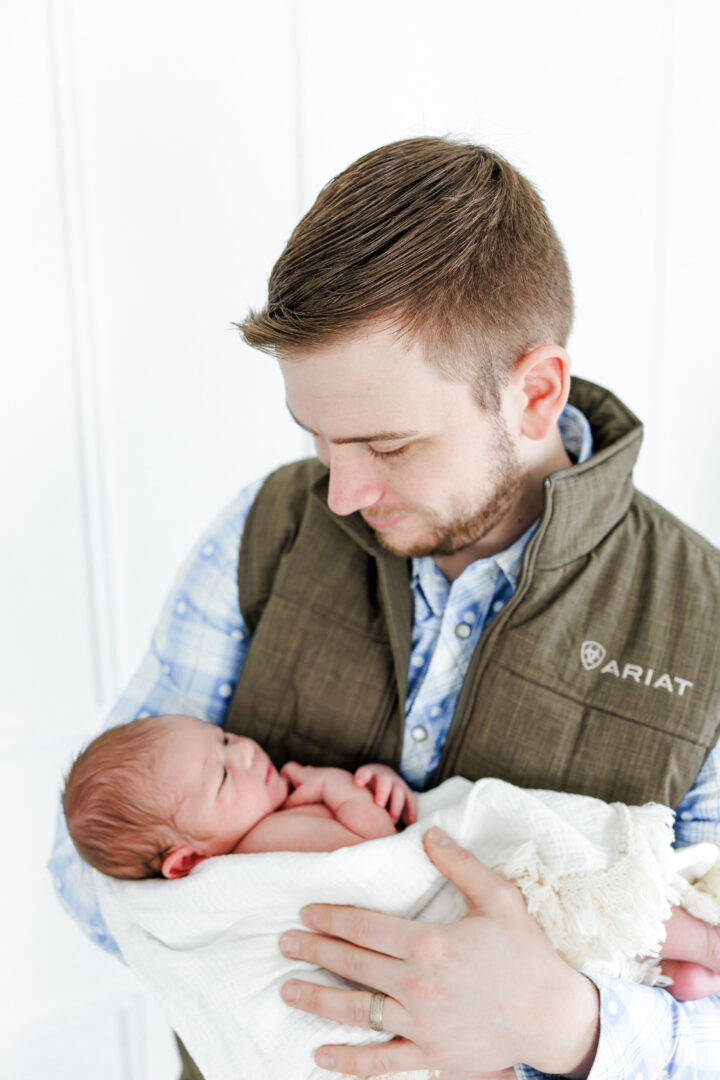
[(436, 542), (405, 547)]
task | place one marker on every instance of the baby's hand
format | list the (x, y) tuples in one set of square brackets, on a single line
[(691, 956), (389, 790), (307, 782)]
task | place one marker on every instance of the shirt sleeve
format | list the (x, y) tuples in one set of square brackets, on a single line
[(645, 1034), (193, 663)]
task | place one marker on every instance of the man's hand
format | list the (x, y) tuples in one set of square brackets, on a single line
[(389, 790), (482, 994)]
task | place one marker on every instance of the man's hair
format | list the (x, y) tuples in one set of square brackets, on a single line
[(118, 820), (444, 240)]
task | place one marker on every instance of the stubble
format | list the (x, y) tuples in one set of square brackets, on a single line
[(469, 523)]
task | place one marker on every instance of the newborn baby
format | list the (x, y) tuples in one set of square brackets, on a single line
[(157, 796)]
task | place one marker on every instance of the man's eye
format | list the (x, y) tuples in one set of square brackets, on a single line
[(224, 777), (387, 453), (226, 740)]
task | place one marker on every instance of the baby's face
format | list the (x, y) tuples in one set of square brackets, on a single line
[(225, 783)]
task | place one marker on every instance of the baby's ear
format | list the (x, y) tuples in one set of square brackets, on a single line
[(180, 861)]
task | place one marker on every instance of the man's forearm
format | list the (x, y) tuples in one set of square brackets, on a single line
[(73, 883), (175, 676)]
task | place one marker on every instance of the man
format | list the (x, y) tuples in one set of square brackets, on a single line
[(464, 582)]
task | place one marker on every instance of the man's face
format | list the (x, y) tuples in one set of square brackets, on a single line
[(224, 783), (429, 471)]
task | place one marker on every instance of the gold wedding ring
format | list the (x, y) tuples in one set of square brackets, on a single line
[(376, 1011)]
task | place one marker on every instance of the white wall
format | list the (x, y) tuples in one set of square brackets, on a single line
[(157, 154)]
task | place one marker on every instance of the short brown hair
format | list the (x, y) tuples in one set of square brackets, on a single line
[(117, 819), (444, 239)]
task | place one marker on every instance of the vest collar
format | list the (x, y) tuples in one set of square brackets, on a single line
[(582, 503)]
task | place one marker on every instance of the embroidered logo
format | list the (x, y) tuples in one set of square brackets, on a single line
[(593, 654)]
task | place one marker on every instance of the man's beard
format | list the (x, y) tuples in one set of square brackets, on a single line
[(470, 524)]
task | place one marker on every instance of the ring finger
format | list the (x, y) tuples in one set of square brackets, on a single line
[(345, 1006)]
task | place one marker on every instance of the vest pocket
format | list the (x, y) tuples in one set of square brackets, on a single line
[(535, 736), (621, 759)]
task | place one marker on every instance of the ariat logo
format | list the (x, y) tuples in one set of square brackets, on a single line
[(593, 654)]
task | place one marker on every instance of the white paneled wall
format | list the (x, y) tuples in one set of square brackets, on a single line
[(185, 127), (156, 155), (43, 570), (687, 371), (153, 182)]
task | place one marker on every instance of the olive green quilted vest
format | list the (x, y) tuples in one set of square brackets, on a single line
[(600, 676)]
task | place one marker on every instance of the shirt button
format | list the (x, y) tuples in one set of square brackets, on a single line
[(686, 815), (463, 630), (419, 733), (498, 606)]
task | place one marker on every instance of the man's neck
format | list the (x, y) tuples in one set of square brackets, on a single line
[(526, 509)]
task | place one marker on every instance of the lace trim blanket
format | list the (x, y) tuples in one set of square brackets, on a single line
[(599, 878)]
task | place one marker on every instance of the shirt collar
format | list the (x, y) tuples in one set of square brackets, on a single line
[(576, 434)]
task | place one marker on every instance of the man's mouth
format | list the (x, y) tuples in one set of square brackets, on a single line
[(384, 522)]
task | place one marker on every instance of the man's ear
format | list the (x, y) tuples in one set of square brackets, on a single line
[(543, 379), (180, 861)]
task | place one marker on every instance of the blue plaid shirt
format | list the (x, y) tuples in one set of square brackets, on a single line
[(195, 658)]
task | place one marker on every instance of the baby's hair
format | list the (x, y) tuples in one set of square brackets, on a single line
[(118, 820)]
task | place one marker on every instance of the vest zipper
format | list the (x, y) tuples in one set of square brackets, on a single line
[(479, 659)]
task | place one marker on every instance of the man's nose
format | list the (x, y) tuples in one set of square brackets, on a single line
[(352, 484)]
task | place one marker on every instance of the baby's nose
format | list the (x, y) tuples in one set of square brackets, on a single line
[(246, 753)]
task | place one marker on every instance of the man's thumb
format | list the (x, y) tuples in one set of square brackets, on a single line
[(487, 891)]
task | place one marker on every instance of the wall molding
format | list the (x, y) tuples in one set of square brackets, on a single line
[(84, 346)]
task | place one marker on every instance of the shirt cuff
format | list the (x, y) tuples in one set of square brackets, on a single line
[(639, 1029)]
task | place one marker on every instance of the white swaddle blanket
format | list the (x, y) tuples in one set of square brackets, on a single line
[(599, 878)]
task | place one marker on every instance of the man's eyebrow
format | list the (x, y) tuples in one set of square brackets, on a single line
[(378, 436)]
